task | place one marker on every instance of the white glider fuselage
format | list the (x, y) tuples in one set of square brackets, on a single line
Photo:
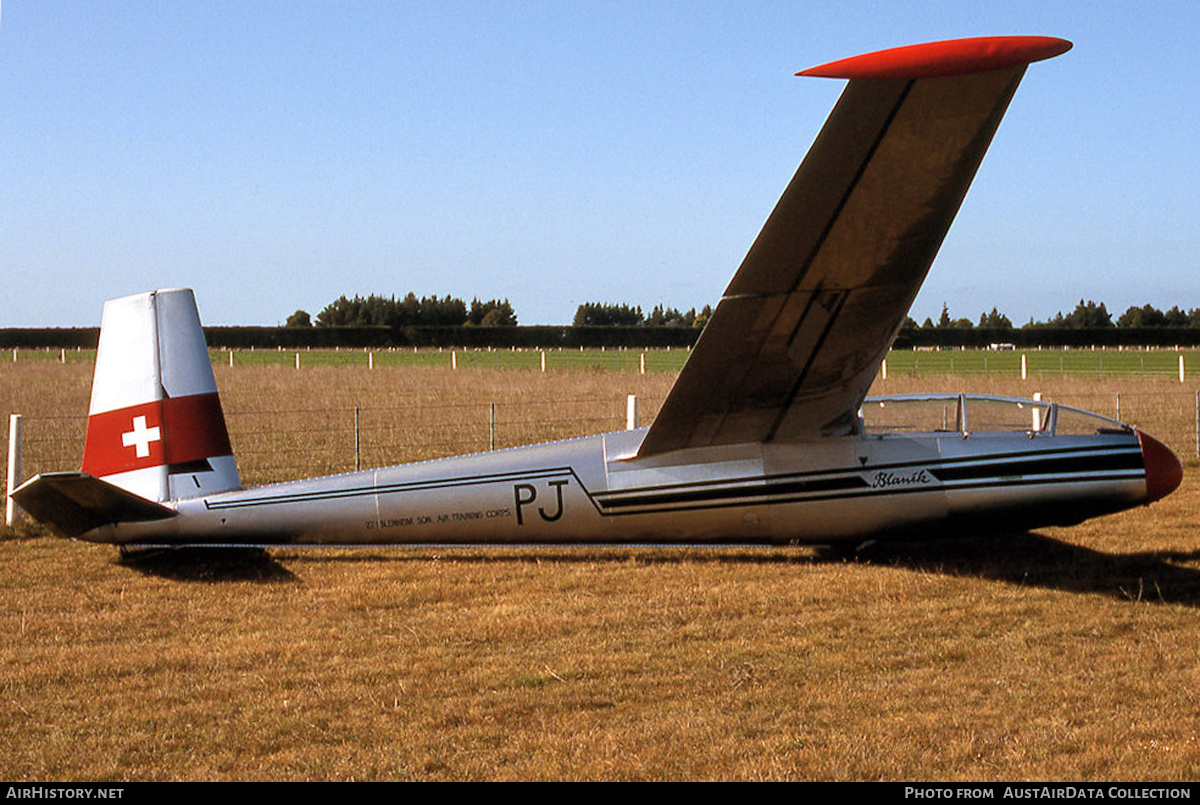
[(595, 490)]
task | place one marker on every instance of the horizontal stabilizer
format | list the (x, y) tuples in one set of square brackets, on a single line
[(73, 503)]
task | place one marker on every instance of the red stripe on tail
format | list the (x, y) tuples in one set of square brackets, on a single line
[(172, 431)]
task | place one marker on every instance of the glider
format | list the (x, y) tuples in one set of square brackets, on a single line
[(765, 438)]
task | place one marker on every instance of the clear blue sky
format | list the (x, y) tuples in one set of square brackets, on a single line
[(275, 155)]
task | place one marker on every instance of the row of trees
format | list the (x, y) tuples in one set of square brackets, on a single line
[(428, 311), (448, 311), (433, 311), (596, 314), (1087, 315)]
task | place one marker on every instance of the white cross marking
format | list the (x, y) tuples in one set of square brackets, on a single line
[(140, 437)]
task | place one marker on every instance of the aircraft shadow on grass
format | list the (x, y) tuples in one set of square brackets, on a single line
[(209, 565), (1024, 559), (1030, 559)]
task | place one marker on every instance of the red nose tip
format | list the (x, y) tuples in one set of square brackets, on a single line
[(1163, 470)]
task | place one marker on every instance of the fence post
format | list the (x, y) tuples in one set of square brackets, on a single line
[(1180, 368), (491, 426), (631, 412), (1024, 368), (883, 368), (11, 513), (357, 443)]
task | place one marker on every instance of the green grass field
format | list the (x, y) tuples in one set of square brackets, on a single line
[(655, 360), (620, 360), (1044, 363), (1000, 363)]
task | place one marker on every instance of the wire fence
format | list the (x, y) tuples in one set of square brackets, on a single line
[(287, 443), (1035, 363)]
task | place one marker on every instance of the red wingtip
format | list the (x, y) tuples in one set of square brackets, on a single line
[(939, 59), (1164, 472)]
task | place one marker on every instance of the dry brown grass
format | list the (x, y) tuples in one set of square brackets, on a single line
[(1069, 654), (1073, 654)]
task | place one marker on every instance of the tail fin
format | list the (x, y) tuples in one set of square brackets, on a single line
[(155, 426)]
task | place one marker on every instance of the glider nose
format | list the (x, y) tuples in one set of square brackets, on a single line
[(1163, 470)]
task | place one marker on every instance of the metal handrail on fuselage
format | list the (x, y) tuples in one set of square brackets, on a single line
[(1044, 415)]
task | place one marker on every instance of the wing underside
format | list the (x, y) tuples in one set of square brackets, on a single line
[(800, 332)]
